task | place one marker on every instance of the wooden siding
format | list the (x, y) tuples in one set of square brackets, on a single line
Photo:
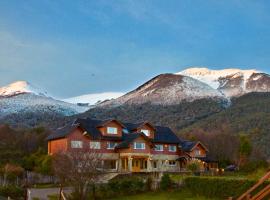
[(57, 146), (114, 124)]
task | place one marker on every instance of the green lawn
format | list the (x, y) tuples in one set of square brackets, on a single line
[(173, 195)]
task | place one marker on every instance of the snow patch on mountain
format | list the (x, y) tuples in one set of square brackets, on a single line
[(20, 87), (93, 99), (167, 89), (212, 77)]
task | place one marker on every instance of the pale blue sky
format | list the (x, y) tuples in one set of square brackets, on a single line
[(75, 47)]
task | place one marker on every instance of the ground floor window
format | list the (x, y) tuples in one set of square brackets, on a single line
[(110, 164), (172, 163)]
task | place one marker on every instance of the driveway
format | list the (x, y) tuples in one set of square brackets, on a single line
[(43, 193)]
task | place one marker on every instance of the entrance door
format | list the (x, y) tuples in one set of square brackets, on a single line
[(139, 164), (136, 165)]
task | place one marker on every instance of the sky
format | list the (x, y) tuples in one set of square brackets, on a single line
[(78, 47)]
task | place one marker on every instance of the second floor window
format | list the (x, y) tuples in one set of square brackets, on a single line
[(111, 130), (146, 132), (172, 148), (76, 144), (158, 147), (111, 145), (139, 145), (197, 152), (94, 145)]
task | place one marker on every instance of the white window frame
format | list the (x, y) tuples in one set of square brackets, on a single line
[(145, 132), (94, 145), (109, 143), (197, 152), (161, 145), (112, 130), (76, 144), (172, 150), (135, 145)]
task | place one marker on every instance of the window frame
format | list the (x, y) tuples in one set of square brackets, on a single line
[(108, 145), (112, 128), (135, 147), (172, 165), (72, 142), (174, 146), (96, 142), (159, 145)]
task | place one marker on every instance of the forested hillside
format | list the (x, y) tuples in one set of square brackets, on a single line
[(174, 116), (248, 115)]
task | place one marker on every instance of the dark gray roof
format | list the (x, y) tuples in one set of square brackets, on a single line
[(162, 134), (127, 139), (61, 132), (187, 145)]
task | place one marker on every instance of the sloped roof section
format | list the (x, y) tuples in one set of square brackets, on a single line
[(162, 134)]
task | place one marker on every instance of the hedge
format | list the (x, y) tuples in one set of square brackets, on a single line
[(11, 191), (221, 187)]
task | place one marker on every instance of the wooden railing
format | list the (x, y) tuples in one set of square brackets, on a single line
[(261, 194)]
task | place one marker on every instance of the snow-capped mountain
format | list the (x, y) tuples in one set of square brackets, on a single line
[(231, 82), (167, 89), (93, 99), (21, 97), (20, 87)]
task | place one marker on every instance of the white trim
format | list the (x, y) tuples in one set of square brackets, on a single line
[(172, 150), (162, 149), (112, 130), (143, 145)]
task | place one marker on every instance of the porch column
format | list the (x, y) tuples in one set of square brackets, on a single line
[(130, 164), (149, 166), (118, 165)]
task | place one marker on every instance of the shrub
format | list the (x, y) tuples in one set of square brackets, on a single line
[(128, 185), (193, 166), (11, 191), (218, 187), (252, 166), (165, 182)]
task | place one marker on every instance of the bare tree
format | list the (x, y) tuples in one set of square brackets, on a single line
[(78, 169)]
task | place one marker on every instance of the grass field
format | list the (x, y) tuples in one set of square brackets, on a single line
[(173, 195)]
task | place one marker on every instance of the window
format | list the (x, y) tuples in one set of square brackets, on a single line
[(111, 130), (172, 163), (158, 147), (110, 164), (76, 144), (172, 148), (111, 145), (197, 152), (94, 145), (139, 145), (146, 132)]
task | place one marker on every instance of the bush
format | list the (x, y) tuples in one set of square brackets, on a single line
[(193, 166), (166, 182), (11, 191), (218, 187), (252, 166)]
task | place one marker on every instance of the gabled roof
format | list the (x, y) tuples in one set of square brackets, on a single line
[(129, 138), (190, 145), (162, 134), (62, 132)]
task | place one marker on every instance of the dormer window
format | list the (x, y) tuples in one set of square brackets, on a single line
[(146, 132), (111, 130)]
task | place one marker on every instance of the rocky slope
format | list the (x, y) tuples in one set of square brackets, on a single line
[(21, 102), (231, 82), (166, 89)]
